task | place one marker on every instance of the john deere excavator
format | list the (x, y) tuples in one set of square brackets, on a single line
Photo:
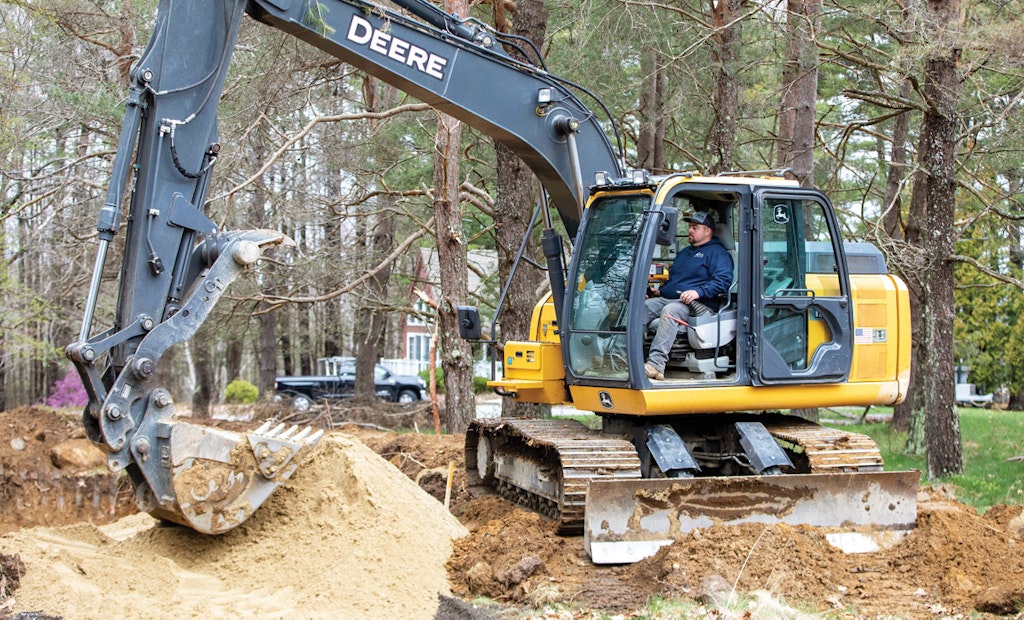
[(809, 321)]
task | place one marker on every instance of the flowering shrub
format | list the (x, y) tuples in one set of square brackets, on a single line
[(67, 392)]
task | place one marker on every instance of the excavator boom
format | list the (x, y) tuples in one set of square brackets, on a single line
[(177, 263)]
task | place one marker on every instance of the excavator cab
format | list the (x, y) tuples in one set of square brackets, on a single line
[(787, 318), (610, 275)]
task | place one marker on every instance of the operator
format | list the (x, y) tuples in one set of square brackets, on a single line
[(699, 273)]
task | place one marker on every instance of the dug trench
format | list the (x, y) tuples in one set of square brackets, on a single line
[(362, 531)]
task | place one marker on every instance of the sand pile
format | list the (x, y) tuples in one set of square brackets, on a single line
[(348, 536)]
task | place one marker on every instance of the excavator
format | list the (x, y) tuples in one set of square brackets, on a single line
[(809, 321)]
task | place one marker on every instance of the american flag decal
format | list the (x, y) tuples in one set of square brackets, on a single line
[(863, 335)]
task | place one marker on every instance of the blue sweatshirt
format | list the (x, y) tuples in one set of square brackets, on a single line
[(706, 269)]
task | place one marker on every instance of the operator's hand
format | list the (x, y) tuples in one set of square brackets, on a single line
[(689, 296)]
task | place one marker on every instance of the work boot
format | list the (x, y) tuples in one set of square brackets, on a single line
[(653, 372)]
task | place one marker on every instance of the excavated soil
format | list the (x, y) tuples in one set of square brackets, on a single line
[(50, 474), (351, 536)]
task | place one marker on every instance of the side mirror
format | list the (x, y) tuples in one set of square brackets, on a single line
[(469, 322), (667, 229)]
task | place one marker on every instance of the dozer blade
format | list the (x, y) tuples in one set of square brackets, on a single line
[(219, 478), (628, 520)]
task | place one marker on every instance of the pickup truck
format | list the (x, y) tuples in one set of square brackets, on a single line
[(303, 391)]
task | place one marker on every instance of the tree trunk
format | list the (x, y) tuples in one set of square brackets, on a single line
[(371, 324), (456, 354), (266, 341), (512, 210), (266, 353), (892, 225), (797, 116), (725, 54), (650, 141), (3, 362), (933, 201), (371, 319), (202, 396), (233, 358)]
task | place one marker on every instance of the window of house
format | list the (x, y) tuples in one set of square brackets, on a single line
[(417, 347), (421, 309)]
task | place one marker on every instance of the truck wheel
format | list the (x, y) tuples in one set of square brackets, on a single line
[(408, 397), (301, 402)]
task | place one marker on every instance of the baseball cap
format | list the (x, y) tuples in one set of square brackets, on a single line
[(702, 217)]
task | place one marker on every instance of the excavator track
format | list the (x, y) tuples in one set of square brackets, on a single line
[(827, 450), (546, 465), (590, 481)]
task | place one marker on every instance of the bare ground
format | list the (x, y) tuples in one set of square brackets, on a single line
[(349, 534)]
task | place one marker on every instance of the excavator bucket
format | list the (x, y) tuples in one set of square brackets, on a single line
[(219, 478), (628, 520)]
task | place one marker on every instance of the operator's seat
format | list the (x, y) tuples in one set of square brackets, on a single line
[(724, 234)]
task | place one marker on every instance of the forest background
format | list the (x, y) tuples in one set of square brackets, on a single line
[(907, 114)]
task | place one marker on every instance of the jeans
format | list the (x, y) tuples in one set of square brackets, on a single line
[(671, 312)]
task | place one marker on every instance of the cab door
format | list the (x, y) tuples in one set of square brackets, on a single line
[(802, 316)]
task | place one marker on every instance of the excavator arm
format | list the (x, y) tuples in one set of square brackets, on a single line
[(177, 263)]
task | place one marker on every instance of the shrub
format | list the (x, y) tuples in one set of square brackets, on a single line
[(67, 392), (439, 373), (241, 392), (479, 383)]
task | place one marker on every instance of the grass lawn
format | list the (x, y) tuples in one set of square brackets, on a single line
[(991, 441)]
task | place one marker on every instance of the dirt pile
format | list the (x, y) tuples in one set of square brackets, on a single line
[(955, 562), (348, 536), (34, 490), (352, 536)]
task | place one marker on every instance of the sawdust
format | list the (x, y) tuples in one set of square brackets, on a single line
[(348, 536)]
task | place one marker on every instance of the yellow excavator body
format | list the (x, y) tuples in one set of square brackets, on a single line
[(534, 370), (809, 322)]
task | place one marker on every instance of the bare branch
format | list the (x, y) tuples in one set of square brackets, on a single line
[(409, 107), (1002, 277), (275, 301)]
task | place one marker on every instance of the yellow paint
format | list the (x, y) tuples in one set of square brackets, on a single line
[(544, 322), (881, 304), (687, 400), (533, 371)]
